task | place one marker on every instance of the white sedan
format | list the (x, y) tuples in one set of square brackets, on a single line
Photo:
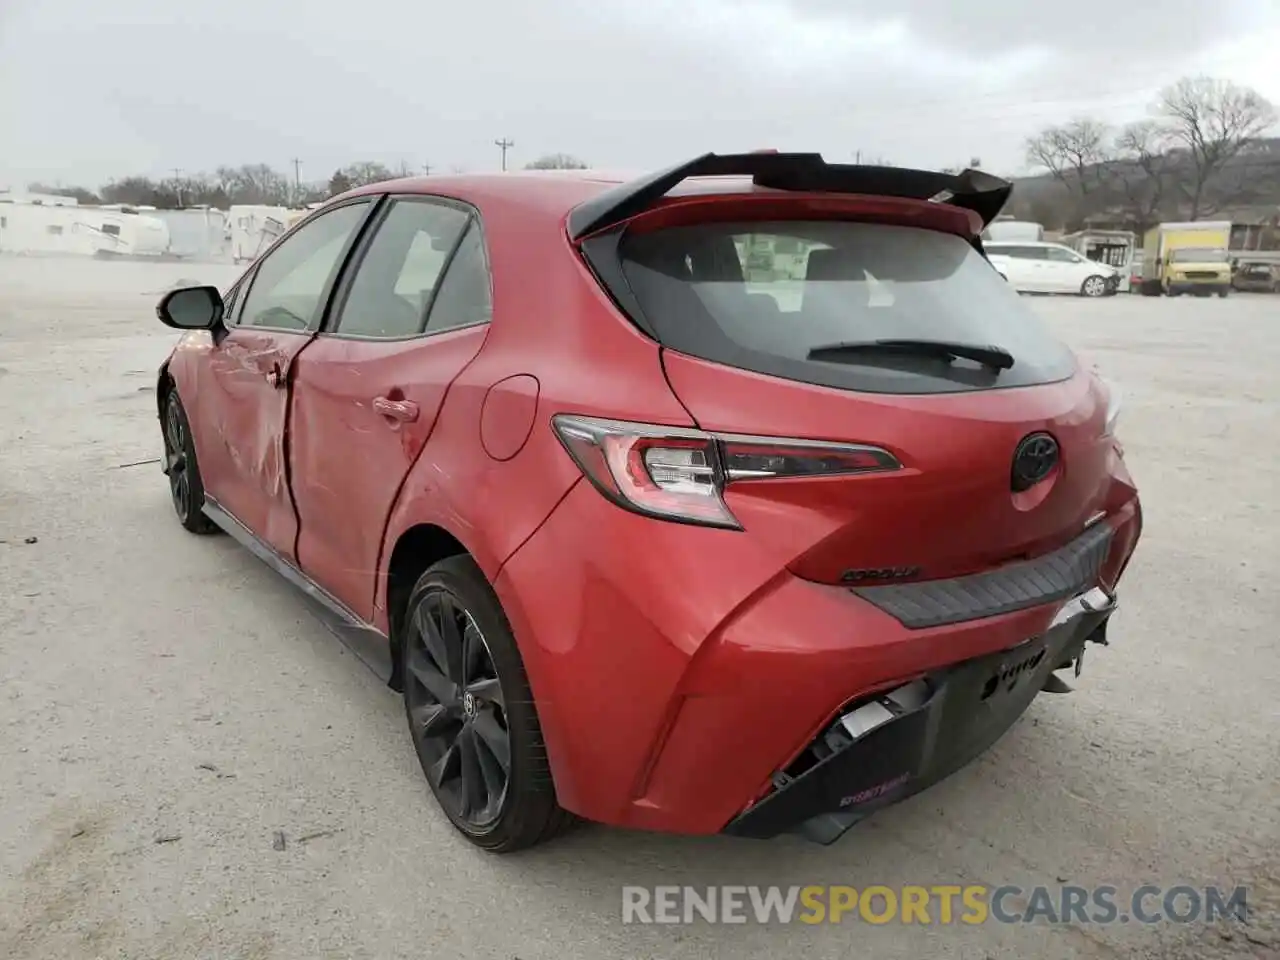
[(1032, 267)]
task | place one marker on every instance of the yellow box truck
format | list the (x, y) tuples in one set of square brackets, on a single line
[(1190, 257)]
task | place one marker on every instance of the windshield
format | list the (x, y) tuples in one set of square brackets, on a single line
[(1198, 255), (761, 296)]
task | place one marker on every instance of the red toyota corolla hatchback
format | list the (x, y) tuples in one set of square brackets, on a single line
[(743, 497)]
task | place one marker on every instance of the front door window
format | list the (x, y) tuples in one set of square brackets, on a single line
[(289, 286)]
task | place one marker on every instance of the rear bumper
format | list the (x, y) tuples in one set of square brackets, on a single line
[(677, 670), (936, 726)]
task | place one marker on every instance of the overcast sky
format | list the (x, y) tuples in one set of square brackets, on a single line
[(95, 89)]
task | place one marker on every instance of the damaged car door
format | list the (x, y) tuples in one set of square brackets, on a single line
[(409, 315), (276, 315)]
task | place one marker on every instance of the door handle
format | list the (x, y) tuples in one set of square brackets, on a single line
[(403, 411)]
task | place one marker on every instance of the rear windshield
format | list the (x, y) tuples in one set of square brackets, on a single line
[(760, 296)]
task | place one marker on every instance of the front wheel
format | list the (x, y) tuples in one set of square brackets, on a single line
[(1094, 287), (186, 488), (1223, 293), (471, 712)]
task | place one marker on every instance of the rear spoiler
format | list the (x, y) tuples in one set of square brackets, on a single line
[(974, 190)]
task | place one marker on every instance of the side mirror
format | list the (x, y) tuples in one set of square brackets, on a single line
[(191, 308)]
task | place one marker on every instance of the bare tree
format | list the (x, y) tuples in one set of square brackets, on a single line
[(254, 183), (1073, 153), (339, 183), (365, 172), (1144, 169), (556, 161), (1076, 155), (1214, 121)]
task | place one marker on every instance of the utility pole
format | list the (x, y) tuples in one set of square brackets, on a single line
[(177, 184), (426, 169), (297, 178), (504, 145)]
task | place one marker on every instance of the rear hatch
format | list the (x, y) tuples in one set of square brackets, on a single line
[(775, 329)]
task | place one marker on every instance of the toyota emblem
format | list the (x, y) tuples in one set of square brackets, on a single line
[(1033, 460)]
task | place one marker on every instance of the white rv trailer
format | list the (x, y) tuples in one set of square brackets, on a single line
[(251, 228), (36, 229), (1013, 231), (197, 233)]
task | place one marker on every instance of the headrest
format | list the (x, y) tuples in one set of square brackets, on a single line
[(832, 264)]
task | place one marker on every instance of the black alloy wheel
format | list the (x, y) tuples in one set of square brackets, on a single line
[(175, 436), (186, 489), (457, 712)]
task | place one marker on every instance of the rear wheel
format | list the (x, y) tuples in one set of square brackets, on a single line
[(1223, 293), (1094, 286), (186, 489), (471, 712)]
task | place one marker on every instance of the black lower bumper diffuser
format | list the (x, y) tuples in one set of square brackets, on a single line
[(899, 742)]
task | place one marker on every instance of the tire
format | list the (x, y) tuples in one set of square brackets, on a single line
[(458, 728), (186, 488), (1094, 286), (1223, 293)]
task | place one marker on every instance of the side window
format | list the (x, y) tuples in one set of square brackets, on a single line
[(465, 297), (289, 285), (399, 273), (1059, 255)]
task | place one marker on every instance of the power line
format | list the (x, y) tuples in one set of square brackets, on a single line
[(504, 145)]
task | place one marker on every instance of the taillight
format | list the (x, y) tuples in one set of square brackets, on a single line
[(675, 473)]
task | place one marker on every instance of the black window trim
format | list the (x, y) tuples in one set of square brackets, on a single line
[(330, 327), (316, 321)]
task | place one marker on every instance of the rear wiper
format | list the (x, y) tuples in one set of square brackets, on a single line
[(995, 358)]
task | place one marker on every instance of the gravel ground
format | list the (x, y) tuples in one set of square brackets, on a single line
[(170, 709)]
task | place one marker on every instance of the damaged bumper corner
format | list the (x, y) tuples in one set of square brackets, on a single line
[(898, 743)]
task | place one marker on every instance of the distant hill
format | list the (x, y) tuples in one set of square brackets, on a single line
[(1121, 194)]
